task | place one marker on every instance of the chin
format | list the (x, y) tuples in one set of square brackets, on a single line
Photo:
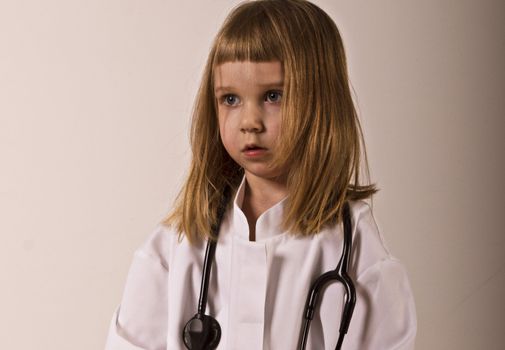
[(266, 174)]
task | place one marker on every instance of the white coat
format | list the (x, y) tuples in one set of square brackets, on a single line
[(258, 289)]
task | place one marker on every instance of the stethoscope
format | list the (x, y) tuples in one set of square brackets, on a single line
[(203, 332)]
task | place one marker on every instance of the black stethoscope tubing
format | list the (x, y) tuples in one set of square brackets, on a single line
[(202, 332), (340, 275)]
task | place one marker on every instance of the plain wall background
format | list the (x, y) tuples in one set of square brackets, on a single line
[(95, 99)]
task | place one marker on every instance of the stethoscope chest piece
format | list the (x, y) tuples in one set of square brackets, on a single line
[(202, 332)]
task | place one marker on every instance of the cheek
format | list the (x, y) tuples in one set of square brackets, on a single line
[(226, 133), (274, 124)]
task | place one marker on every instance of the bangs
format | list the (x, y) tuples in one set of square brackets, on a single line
[(248, 35)]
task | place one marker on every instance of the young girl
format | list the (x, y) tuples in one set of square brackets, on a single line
[(276, 148)]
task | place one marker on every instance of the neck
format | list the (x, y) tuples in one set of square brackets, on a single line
[(260, 195)]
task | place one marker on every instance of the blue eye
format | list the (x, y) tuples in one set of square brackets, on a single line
[(230, 100), (273, 96)]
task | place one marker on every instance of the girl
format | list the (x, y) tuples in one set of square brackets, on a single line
[(274, 131)]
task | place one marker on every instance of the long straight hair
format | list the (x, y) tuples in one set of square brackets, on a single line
[(317, 111)]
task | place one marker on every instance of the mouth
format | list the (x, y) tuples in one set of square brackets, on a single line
[(253, 151), (252, 147)]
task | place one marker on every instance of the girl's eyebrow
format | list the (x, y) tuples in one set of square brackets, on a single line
[(222, 88), (273, 84), (265, 85)]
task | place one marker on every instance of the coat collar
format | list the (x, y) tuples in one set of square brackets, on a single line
[(268, 224)]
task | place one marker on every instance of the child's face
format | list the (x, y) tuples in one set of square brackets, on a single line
[(249, 97)]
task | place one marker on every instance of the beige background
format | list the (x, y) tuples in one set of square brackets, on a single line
[(94, 108)]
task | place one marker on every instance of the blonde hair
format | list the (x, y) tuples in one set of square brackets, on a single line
[(317, 110)]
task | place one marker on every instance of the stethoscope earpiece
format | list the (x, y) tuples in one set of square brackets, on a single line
[(202, 332)]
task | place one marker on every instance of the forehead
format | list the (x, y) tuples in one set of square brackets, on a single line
[(231, 74)]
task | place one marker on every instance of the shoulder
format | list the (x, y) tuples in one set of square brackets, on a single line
[(158, 244), (369, 246)]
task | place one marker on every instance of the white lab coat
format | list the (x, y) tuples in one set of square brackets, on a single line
[(258, 289)]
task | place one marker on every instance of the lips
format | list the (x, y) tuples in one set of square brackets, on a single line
[(252, 151), (252, 147)]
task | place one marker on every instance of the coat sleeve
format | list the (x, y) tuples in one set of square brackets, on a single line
[(385, 313), (388, 319), (140, 321)]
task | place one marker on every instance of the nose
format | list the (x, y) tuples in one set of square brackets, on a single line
[(252, 119)]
